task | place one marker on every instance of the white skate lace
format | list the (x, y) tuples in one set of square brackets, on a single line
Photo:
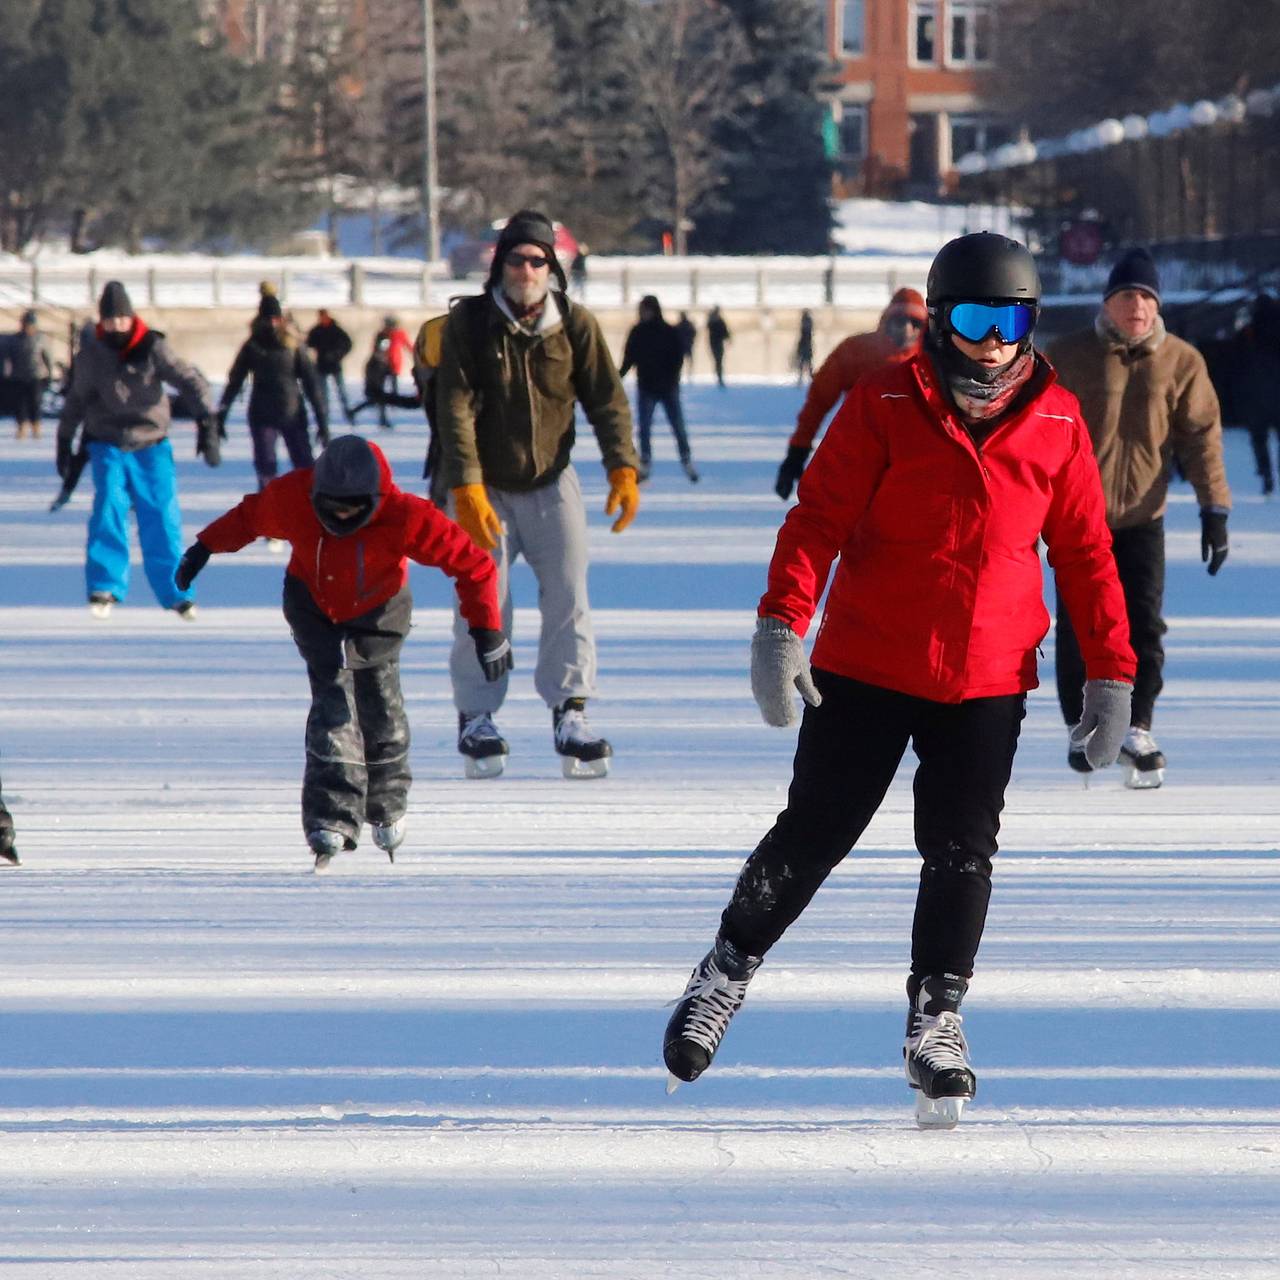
[(480, 728), (939, 1042), (715, 997), (572, 727), (1139, 742)]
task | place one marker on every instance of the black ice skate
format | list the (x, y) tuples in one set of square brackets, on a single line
[(935, 1053), (583, 754), (713, 995), (326, 845), (1143, 760), (483, 747), (390, 836)]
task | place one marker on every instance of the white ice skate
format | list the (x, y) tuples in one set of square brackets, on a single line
[(935, 1054), (390, 837), (100, 605), (326, 845), (582, 753), (483, 748), (1143, 760)]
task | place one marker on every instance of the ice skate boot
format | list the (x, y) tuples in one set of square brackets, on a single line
[(935, 1053), (186, 610), (483, 747), (390, 836), (690, 470), (1143, 760), (583, 754), (101, 604), (713, 995), (326, 845)]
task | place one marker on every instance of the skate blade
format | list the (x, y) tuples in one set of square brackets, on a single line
[(572, 767), (673, 1083), (489, 767), (322, 862), (938, 1113), (1143, 779), (100, 611)]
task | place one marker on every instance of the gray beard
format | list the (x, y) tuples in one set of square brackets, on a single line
[(524, 296)]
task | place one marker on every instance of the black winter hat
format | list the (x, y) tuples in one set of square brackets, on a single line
[(114, 301), (269, 307), (528, 226), (1135, 270)]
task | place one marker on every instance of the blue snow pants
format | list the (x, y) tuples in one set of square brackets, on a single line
[(146, 481)]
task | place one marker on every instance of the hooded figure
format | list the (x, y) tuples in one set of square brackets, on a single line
[(896, 338), (528, 226), (349, 607)]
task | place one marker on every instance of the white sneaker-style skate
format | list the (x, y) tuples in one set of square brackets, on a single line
[(1143, 760), (100, 604), (935, 1054), (483, 748), (390, 837), (583, 754), (326, 845)]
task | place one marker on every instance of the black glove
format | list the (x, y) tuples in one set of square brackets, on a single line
[(194, 558), (791, 470), (209, 437), (494, 651), (1213, 537), (63, 459)]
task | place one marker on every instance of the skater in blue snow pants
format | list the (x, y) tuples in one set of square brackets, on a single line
[(145, 480)]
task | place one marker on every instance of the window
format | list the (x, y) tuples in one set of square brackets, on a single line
[(970, 31), (853, 131), (924, 31), (853, 24), (975, 133)]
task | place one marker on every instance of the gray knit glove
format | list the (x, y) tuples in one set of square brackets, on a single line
[(1104, 722), (778, 668)]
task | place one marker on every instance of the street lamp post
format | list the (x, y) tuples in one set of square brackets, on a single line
[(429, 169)]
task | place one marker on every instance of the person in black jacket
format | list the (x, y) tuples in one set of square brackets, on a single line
[(282, 374), (655, 351), (331, 344)]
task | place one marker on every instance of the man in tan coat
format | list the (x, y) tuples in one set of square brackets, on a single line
[(1147, 398)]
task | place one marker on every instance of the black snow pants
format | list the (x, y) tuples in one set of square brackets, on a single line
[(357, 745), (1139, 556), (848, 752)]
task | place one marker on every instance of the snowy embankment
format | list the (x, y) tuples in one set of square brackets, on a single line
[(214, 1063)]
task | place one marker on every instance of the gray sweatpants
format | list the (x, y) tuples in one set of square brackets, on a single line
[(549, 528)]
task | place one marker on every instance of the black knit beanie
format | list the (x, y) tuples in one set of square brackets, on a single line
[(269, 307), (528, 226), (1135, 270), (114, 301)]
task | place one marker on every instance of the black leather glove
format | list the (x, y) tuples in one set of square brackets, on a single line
[(63, 459), (494, 651), (194, 558), (1213, 537), (791, 470), (209, 436)]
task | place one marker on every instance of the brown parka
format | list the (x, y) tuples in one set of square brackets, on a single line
[(1144, 404)]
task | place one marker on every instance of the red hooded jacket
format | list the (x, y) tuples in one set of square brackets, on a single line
[(939, 589), (350, 575), (854, 358)]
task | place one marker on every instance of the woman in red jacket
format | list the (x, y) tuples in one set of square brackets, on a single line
[(347, 601), (934, 485)]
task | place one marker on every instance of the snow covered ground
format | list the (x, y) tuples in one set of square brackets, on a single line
[(214, 1063)]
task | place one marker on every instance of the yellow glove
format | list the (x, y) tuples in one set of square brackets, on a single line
[(624, 495), (473, 511)]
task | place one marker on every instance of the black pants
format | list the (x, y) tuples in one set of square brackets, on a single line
[(336, 376), (669, 399), (1259, 438), (849, 750), (357, 743), (266, 436), (717, 358), (1140, 563)]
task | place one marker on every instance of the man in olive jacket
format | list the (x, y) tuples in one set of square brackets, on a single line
[(1147, 398), (513, 363)]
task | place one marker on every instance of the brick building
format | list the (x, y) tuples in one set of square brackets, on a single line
[(906, 92)]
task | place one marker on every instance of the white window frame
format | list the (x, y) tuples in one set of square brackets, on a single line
[(842, 45), (915, 10), (971, 10)]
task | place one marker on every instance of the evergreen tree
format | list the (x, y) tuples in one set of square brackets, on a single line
[(777, 180)]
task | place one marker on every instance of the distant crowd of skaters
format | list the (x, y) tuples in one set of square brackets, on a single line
[(957, 450)]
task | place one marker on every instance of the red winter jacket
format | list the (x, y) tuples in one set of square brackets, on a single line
[(350, 575), (939, 591)]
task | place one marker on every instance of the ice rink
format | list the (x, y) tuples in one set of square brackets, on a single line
[(214, 1063)]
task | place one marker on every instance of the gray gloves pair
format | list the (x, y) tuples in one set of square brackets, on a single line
[(779, 669)]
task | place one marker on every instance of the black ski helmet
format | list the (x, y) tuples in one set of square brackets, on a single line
[(982, 267)]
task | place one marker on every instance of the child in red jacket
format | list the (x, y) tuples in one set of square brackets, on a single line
[(347, 601), (934, 485)]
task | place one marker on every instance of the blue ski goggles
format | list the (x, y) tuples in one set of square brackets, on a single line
[(977, 321)]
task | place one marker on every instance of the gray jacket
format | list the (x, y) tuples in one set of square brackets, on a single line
[(120, 395)]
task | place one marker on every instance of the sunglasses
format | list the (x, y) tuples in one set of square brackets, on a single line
[(534, 260), (977, 321)]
